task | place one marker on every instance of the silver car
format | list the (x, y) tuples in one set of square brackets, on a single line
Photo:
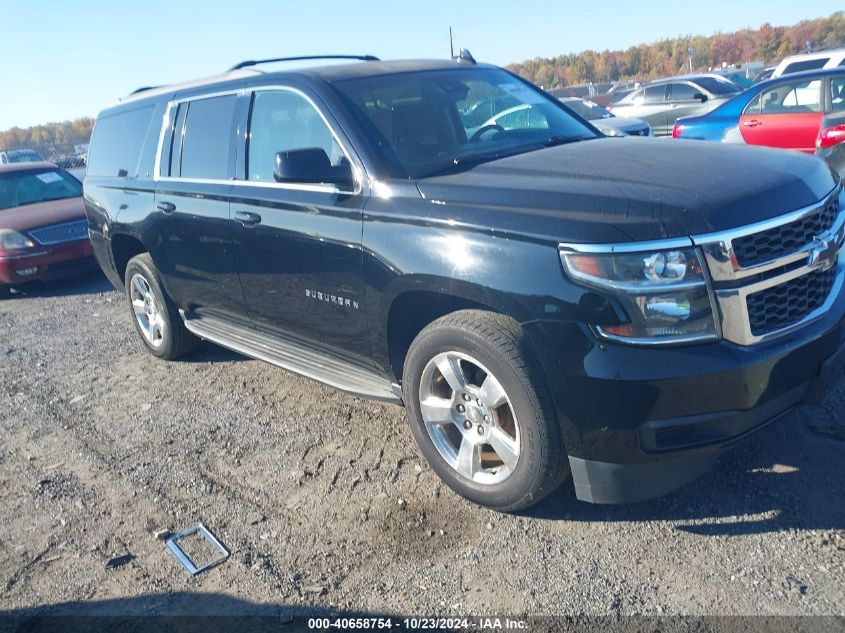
[(662, 102), (605, 120)]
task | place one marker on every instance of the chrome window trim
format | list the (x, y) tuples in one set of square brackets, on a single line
[(242, 92), (165, 126)]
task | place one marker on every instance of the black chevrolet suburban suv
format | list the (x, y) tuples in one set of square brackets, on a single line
[(545, 301)]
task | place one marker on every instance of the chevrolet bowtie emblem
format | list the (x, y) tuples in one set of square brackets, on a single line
[(823, 254)]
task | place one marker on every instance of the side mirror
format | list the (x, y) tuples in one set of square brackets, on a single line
[(700, 96), (311, 166)]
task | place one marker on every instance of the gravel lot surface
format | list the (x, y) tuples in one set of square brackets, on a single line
[(325, 501)]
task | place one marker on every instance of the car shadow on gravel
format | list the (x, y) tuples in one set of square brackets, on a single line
[(175, 611), (91, 283), (785, 478)]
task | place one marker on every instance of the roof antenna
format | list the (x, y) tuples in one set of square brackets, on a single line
[(465, 56), (451, 47)]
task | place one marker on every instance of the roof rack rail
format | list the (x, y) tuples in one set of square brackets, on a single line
[(142, 89), (255, 62)]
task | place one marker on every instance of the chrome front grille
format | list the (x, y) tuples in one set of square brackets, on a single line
[(58, 233), (775, 276), (782, 305), (786, 238)]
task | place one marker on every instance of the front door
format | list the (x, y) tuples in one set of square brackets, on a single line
[(786, 115), (298, 246)]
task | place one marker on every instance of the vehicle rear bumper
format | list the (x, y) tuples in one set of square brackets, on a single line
[(638, 423), (50, 262)]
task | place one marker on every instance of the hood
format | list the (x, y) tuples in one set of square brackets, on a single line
[(620, 123), (32, 216), (635, 189)]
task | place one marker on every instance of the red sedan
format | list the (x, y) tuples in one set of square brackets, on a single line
[(43, 230)]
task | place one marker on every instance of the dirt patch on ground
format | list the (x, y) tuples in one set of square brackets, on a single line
[(324, 500)]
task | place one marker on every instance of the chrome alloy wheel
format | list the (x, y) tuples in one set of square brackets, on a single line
[(469, 418), (146, 310)]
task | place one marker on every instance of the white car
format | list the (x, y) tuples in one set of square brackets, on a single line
[(810, 61), (524, 116), (12, 156)]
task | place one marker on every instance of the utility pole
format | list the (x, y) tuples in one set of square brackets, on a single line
[(691, 55), (451, 48)]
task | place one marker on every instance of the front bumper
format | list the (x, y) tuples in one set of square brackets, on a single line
[(640, 422), (50, 262)]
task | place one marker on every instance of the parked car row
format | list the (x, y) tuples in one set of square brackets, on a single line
[(802, 111), (661, 102)]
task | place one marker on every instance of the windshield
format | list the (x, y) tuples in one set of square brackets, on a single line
[(23, 156), (587, 109), (429, 122), (19, 188), (717, 86)]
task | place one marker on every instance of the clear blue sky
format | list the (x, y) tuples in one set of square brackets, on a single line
[(63, 60)]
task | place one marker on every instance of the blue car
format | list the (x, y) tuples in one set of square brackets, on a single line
[(786, 112)]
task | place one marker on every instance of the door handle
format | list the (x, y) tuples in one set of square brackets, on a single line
[(753, 123), (247, 218), (166, 207)]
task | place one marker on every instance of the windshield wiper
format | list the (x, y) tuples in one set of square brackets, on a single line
[(562, 140)]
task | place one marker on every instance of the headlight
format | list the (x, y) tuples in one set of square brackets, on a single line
[(10, 239), (663, 292), (611, 131)]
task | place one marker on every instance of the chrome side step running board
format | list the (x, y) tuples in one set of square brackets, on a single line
[(293, 356)]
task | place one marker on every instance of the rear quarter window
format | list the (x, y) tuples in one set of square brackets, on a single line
[(207, 138), (117, 141), (807, 64)]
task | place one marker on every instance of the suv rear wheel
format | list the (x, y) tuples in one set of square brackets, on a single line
[(480, 412), (154, 314)]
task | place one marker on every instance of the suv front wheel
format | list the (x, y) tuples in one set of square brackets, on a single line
[(154, 314), (480, 412)]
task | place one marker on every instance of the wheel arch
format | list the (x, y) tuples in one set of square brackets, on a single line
[(413, 308), (123, 248)]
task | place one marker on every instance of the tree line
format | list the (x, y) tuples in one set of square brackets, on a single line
[(50, 139), (671, 56)]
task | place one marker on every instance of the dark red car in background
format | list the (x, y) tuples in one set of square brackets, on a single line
[(43, 231)]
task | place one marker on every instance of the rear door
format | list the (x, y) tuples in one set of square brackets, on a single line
[(787, 115), (833, 149), (685, 99), (193, 245), (654, 109)]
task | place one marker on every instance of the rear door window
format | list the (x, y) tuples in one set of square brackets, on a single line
[(116, 143), (207, 138), (807, 64), (655, 94), (837, 94), (682, 92), (791, 98)]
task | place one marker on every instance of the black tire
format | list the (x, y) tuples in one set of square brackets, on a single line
[(176, 341), (500, 345)]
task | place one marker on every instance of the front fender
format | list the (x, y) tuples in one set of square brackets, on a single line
[(515, 275)]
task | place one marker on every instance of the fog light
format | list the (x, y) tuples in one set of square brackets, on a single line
[(26, 272)]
